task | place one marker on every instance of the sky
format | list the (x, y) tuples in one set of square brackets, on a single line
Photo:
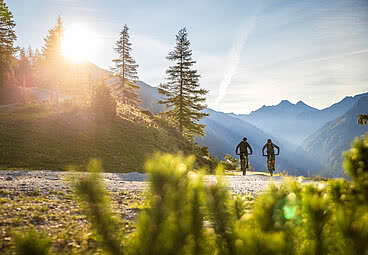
[(249, 53)]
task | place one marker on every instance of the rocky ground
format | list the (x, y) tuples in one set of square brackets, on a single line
[(45, 200)]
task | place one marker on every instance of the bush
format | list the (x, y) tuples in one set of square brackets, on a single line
[(230, 163), (187, 217), (32, 243)]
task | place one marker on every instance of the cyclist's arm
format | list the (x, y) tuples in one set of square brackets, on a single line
[(278, 149), (237, 148), (264, 147), (250, 149)]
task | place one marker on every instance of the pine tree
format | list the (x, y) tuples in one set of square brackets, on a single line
[(52, 49), (53, 63), (7, 38), (184, 98), (126, 70), (24, 69)]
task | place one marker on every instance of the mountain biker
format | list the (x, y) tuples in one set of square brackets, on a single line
[(243, 146), (270, 155)]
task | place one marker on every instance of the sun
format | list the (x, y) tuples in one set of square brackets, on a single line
[(80, 43)]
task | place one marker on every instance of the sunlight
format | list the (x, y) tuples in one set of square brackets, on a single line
[(79, 43)]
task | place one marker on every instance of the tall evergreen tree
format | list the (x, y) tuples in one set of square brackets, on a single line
[(7, 38), (184, 99), (125, 68), (52, 49), (53, 63), (23, 70)]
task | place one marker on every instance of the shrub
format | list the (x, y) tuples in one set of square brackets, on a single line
[(230, 163), (32, 243)]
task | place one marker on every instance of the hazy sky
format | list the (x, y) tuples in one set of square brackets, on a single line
[(249, 53)]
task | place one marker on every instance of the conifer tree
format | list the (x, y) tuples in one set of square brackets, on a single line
[(23, 70), (126, 70), (184, 99), (7, 38), (52, 49), (53, 63)]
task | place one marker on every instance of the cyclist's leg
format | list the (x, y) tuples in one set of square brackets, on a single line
[(241, 163), (245, 165), (269, 164)]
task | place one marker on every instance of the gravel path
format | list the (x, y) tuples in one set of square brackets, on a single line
[(44, 200), (45, 181)]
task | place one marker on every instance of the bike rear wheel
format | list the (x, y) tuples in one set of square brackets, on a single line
[(244, 163)]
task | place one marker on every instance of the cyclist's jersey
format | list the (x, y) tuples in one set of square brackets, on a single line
[(270, 149), (243, 146)]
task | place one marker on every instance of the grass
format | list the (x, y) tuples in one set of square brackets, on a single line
[(36, 137)]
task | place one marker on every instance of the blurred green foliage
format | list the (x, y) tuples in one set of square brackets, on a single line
[(32, 243), (230, 163), (188, 216)]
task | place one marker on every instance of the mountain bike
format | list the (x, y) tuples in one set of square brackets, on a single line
[(244, 162), (271, 163)]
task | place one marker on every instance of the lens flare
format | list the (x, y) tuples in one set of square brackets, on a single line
[(80, 43)]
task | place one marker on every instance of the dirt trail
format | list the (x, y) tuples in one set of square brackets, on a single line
[(46, 181)]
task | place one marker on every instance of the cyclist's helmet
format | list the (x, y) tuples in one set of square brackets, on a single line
[(269, 141)]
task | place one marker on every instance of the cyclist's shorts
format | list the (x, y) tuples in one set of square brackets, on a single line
[(271, 157), (243, 156)]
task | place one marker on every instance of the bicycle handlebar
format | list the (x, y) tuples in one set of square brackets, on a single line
[(244, 153)]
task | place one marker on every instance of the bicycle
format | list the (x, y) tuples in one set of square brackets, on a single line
[(244, 162), (271, 163)]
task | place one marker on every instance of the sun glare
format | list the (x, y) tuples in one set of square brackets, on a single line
[(79, 43)]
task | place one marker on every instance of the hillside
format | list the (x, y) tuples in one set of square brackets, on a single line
[(37, 138), (328, 143)]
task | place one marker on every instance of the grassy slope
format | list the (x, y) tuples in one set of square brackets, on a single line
[(37, 138)]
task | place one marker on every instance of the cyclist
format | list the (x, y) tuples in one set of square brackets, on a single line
[(270, 155), (243, 146)]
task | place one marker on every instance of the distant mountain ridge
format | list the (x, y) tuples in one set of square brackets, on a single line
[(295, 122), (334, 111), (284, 107), (328, 143), (149, 96), (280, 120)]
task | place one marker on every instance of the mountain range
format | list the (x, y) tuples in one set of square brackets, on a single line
[(311, 140), (295, 122)]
